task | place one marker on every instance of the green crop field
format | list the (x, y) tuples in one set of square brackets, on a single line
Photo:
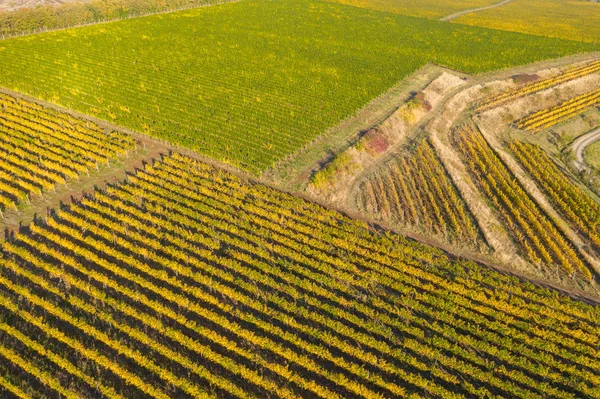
[(419, 8), (252, 82), (574, 20)]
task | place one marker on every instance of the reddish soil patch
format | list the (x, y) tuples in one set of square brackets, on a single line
[(423, 102), (525, 78), (375, 142)]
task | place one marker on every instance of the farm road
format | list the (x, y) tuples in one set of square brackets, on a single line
[(581, 144), (460, 13)]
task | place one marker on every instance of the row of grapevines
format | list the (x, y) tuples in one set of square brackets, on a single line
[(416, 190), (41, 148), (546, 118), (575, 204), (512, 94), (187, 281), (538, 236)]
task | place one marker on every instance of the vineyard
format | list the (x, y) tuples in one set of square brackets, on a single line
[(254, 81), (148, 250), (40, 148), (566, 110), (572, 20), (575, 204), (187, 281), (424, 8), (416, 190), (539, 238), (531, 88)]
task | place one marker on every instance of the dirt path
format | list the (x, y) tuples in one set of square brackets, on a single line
[(578, 147), (460, 13)]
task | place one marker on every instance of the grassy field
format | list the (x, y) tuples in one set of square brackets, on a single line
[(592, 155), (187, 281), (251, 82), (566, 19)]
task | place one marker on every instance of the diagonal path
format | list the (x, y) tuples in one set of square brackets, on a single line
[(460, 13)]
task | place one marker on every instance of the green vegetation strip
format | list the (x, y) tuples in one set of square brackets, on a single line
[(252, 82)]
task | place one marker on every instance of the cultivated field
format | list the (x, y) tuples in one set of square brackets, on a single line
[(215, 213), (540, 239), (573, 20), (414, 189), (425, 8), (250, 86), (41, 148), (186, 281)]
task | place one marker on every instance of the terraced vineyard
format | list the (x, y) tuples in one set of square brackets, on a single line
[(40, 148), (577, 206), (512, 94), (416, 190), (254, 81), (539, 238), (566, 110), (186, 281)]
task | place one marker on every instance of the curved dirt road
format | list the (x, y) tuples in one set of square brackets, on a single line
[(460, 13), (581, 144)]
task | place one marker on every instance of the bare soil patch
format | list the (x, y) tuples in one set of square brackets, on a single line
[(525, 78), (12, 5)]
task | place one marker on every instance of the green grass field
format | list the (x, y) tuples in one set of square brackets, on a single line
[(252, 82)]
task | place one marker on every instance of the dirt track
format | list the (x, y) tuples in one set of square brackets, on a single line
[(581, 144), (460, 13)]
